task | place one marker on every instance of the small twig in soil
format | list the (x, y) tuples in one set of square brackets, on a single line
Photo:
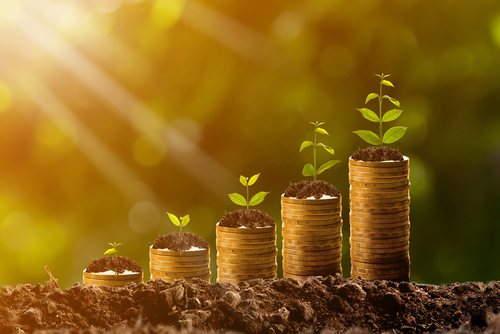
[(52, 279)]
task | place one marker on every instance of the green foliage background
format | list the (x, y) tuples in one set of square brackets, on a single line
[(113, 112)]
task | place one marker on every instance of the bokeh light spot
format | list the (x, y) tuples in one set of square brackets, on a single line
[(336, 60), (166, 13), (15, 229), (288, 25), (46, 241), (421, 178), (133, 69), (144, 217), (59, 135), (183, 134), (5, 97), (149, 151), (495, 29)]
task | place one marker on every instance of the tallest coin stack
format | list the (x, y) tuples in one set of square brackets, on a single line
[(379, 219)]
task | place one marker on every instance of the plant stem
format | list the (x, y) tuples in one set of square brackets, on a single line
[(315, 132), (248, 205), (380, 110)]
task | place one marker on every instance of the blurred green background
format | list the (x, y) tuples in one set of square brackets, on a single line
[(114, 111)]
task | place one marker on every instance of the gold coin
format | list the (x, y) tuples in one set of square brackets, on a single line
[(261, 230), (310, 201), (354, 192)]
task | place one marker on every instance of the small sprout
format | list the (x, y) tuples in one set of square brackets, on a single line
[(393, 134), (179, 222), (310, 170), (256, 199), (112, 250), (182, 222)]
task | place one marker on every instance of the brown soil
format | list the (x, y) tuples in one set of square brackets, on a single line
[(249, 218), (116, 263), (308, 188), (377, 153), (330, 304), (178, 242)]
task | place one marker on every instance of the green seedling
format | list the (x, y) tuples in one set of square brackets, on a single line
[(179, 222), (310, 170), (256, 199), (112, 250), (393, 134)]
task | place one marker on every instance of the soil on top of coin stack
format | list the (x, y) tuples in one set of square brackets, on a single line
[(251, 218), (180, 241), (117, 264), (308, 188), (378, 153)]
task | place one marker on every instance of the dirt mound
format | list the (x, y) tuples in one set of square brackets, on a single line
[(273, 306), (308, 188), (252, 218), (377, 153), (116, 263), (177, 242)]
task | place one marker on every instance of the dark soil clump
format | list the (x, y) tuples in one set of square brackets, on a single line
[(378, 153), (178, 242), (308, 188), (116, 263), (249, 218), (326, 305)]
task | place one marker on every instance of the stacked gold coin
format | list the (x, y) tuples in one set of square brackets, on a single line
[(312, 236), (379, 219), (245, 253), (170, 265), (111, 279)]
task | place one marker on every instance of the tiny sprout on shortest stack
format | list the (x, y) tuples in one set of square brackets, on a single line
[(393, 134), (310, 170), (256, 199), (112, 250), (179, 222)]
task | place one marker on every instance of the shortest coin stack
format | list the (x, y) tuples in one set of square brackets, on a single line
[(170, 265), (312, 236), (379, 219), (245, 253)]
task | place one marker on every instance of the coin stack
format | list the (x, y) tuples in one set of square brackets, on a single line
[(379, 219), (245, 253), (312, 236), (170, 265)]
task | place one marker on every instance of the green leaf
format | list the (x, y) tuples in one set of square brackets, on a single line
[(368, 136), (327, 148), (327, 165), (305, 144), (258, 198), (243, 180), (387, 83), (394, 134), (238, 199), (110, 251), (391, 115), (371, 96), (185, 220), (111, 244), (369, 115), (174, 219), (253, 179), (321, 130), (394, 101), (308, 170)]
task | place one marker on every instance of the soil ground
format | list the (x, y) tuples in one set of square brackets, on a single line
[(308, 188), (116, 263), (251, 218), (329, 304)]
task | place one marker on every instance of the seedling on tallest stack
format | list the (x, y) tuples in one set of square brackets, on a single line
[(393, 134)]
